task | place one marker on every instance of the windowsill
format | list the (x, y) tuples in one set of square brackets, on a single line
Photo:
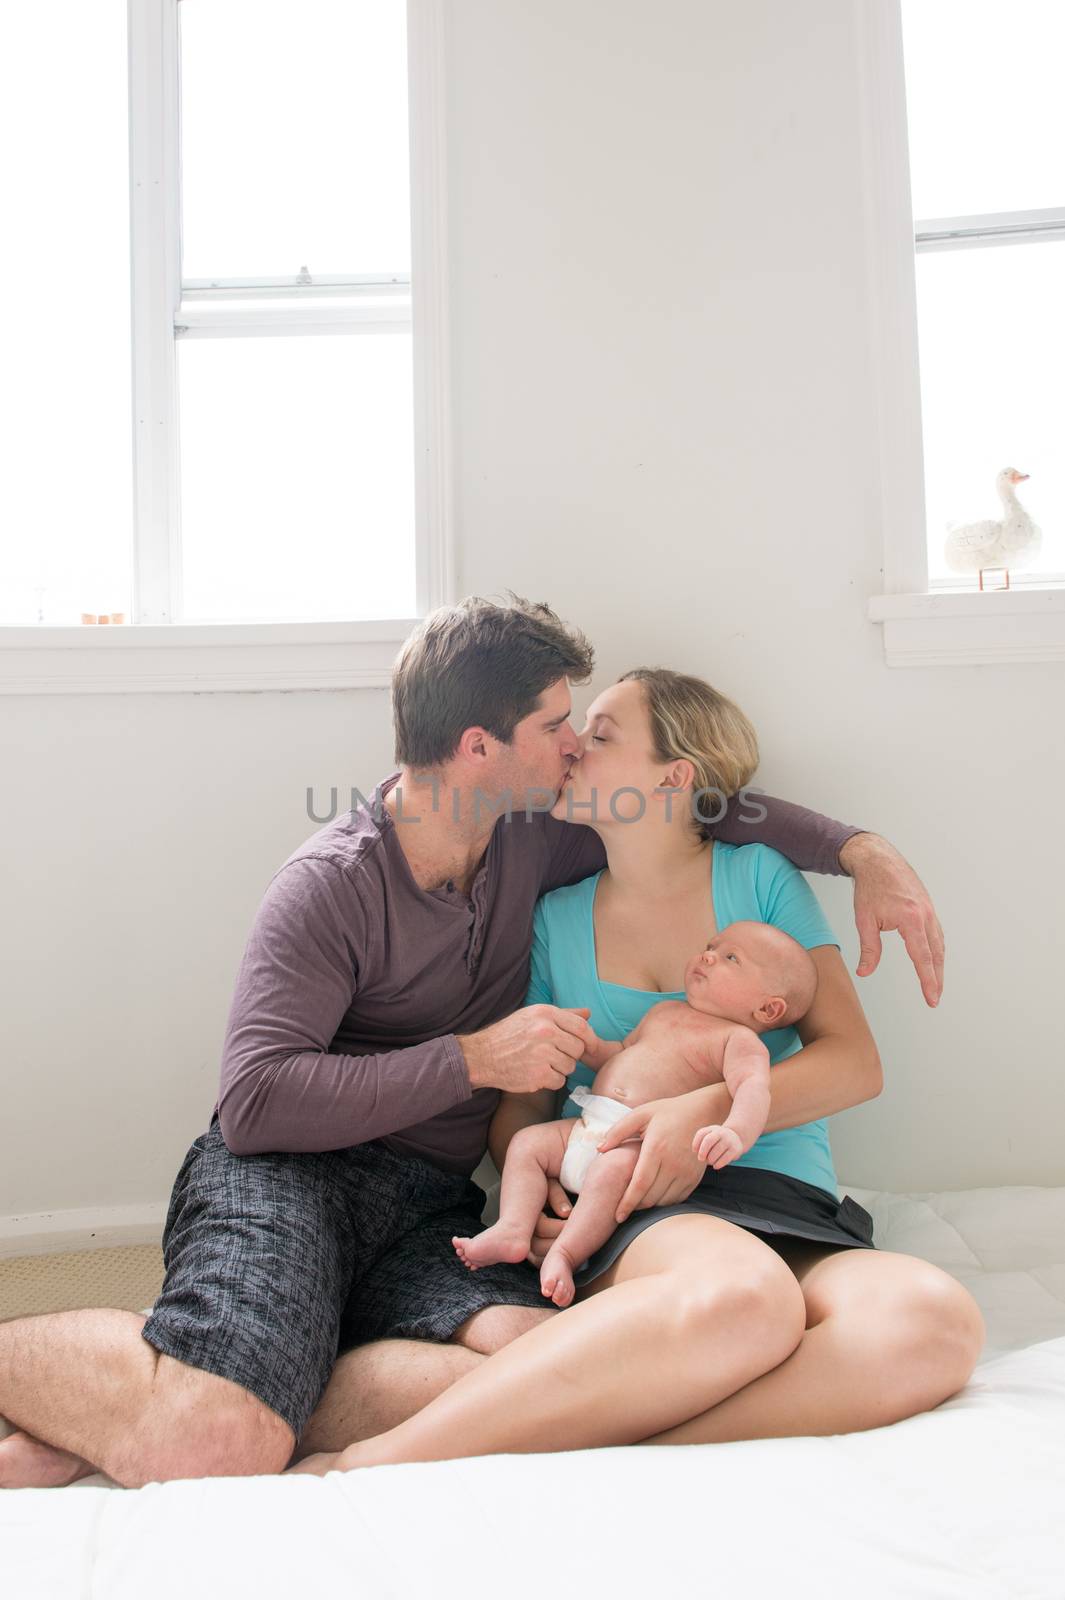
[(950, 628), (199, 657)]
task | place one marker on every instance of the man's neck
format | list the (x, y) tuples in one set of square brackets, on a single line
[(442, 842)]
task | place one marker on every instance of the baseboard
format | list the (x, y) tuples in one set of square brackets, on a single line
[(45, 1233)]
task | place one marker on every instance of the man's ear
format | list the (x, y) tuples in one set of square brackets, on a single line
[(474, 744), (771, 1011)]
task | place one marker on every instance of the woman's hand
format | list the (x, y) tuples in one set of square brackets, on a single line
[(667, 1170), (547, 1228)]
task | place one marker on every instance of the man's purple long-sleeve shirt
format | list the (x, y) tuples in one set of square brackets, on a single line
[(355, 981)]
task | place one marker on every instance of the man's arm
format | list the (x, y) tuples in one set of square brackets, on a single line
[(281, 1086), (812, 841), (888, 894)]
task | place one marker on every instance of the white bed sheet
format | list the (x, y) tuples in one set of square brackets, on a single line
[(962, 1503)]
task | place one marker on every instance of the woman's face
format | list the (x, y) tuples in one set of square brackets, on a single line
[(616, 757)]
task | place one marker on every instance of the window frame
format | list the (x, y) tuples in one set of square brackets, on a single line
[(153, 652), (926, 624)]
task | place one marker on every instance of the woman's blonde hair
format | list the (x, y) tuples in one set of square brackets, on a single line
[(689, 719)]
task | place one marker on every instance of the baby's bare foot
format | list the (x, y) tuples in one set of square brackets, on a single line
[(556, 1278), (26, 1463), (497, 1243)]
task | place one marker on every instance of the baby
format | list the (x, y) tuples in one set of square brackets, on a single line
[(750, 978)]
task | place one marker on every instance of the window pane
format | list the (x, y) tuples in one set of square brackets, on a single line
[(66, 496), (991, 328), (297, 464), (294, 137), (985, 106)]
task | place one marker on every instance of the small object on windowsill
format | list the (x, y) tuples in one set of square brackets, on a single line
[(994, 578), (102, 617), (993, 547)]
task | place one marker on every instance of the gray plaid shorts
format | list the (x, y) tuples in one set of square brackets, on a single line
[(277, 1263)]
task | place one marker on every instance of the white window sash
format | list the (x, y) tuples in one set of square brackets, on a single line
[(157, 652)]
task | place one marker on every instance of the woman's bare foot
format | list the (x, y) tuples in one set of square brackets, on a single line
[(26, 1463), (328, 1461), (556, 1277), (497, 1243)]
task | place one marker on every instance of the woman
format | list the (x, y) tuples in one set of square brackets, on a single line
[(733, 1305)]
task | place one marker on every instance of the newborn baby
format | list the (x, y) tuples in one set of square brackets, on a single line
[(750, 978)]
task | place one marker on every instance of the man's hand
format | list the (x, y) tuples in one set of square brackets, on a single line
[(889, 894), (534, 1048)]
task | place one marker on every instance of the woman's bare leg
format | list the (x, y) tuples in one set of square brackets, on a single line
[(377, 1386), (887, 1336), (692, 1310)]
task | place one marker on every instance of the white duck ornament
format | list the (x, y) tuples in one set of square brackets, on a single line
[(1012, 542)]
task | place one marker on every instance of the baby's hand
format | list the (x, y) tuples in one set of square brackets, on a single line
[(717, 1146), (600, 1051)]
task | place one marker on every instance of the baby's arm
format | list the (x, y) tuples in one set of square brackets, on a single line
[(601, 1051), (745, 1068)]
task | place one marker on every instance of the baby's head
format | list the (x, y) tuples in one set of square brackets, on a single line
[(754, 974)]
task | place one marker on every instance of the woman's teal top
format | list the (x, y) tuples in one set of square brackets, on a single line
[(750, 882)]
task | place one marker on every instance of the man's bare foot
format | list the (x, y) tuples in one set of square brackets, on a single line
[(26, 1463), (556, 1278), (497, 1243)]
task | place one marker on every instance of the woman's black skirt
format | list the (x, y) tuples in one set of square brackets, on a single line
[(755, 1198)]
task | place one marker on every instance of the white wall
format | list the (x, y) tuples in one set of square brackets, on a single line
[(664, 426)]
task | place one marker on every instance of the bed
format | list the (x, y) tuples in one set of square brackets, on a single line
[(967, 1501)]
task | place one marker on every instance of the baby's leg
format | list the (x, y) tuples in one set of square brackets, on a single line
[(533, 1155), (591, 1221)]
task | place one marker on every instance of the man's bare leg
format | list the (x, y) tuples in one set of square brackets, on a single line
[(88, 1384), (28, 1463), (377, 1386)]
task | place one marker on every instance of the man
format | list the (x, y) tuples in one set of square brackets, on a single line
[(377, 1016)]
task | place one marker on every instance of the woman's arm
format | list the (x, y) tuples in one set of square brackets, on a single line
[(838, 1067), (839, 1064)]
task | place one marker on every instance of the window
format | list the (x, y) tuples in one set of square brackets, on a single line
[(961, 131), (66, 501), (986, 127), (295, 375), (224, 418)]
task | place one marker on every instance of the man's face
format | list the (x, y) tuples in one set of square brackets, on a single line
[(543, 749)]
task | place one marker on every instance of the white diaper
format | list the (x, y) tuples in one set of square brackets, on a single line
[(598, 1113)]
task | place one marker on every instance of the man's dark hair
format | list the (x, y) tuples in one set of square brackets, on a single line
[(478, 664)]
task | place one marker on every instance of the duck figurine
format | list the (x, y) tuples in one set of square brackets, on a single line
[(1012, 542)]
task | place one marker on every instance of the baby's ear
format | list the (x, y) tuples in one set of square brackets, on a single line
[(771, 1011)]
